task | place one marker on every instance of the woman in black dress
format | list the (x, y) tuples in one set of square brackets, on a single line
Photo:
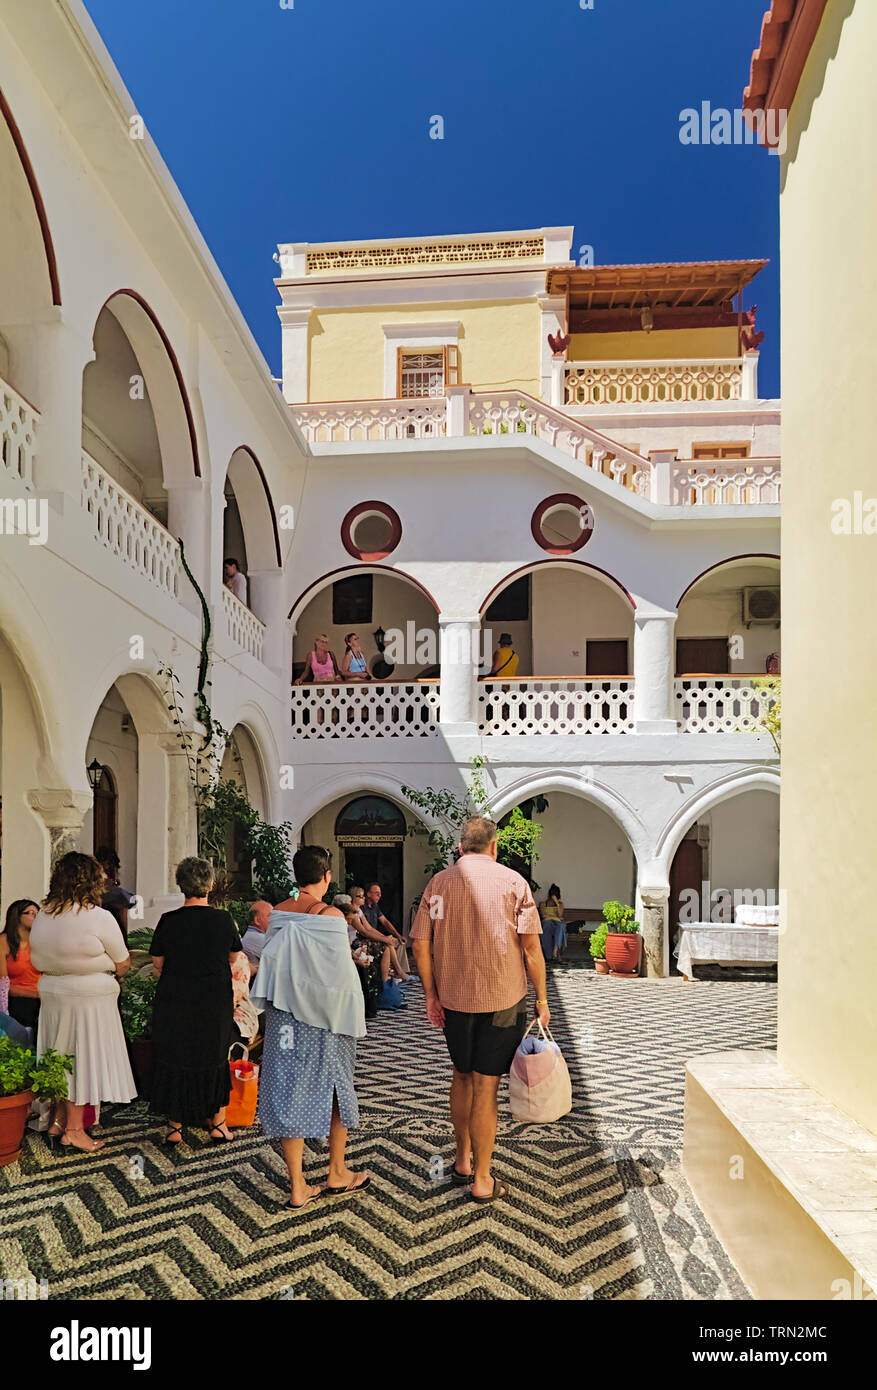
[(193, 1018)]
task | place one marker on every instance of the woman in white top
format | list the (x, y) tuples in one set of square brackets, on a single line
[(78, 947)]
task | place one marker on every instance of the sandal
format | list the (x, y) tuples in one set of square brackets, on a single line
[(351, 1187), (300, 1206), (69, 1144), (498, 1191), (171, 1131), (461, 1179), (219, 1138)]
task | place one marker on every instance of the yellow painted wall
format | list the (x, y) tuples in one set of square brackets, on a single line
[(499, 346), (668, 344), (828, 857)]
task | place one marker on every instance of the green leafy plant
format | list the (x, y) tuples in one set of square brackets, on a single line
[(772, 717), (140, 940), (136, 1000), (269, 847), (20, 1071), (597, 944), (618, 917), (240, 911)]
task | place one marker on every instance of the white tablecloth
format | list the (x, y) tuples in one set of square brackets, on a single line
[(726, 944)]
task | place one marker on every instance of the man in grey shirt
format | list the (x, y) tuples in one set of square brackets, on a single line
[(253, 939)]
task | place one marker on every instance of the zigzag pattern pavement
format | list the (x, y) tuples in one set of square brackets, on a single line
[(599, 1207)]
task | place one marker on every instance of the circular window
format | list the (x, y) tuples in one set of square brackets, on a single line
[(562, 524), (371, 530)]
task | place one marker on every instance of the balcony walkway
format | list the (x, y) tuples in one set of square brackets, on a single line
[(599, 1206)]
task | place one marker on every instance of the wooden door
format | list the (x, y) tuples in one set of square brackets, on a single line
[(702, 656), (105, 819), (686, 876)]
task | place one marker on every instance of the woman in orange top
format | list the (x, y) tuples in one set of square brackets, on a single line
[(15, 963)]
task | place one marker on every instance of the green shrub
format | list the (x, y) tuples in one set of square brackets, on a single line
[(240, 911), (136, 999), (618, 917), (598, 942), (140, 940), (20, 1071)]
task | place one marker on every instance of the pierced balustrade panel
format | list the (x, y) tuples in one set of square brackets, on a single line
[(556, 707), (365, 710), (731, 483), (652, 383), (722, 705), (129, 530), (242, 625), (18, 429), (364, 421)]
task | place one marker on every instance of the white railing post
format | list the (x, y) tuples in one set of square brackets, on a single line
[(558, 382), (749, 389), (654, 668), (662, 461), (459, 655), (457, 419), (267, 595)]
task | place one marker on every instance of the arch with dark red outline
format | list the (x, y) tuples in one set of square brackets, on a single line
[(325, 579), (245, 449), (36, 195), (731, 560), (555, 560), (347, 525), (174, 361), (558, 499)]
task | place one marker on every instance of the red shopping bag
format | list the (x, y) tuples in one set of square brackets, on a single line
[(244, 1078)]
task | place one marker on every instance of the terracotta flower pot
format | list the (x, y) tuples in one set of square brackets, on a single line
[(601, 966), (623, 952), (13, 1116)]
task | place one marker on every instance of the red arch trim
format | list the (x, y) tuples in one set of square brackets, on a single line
[(39, 205), (360, 569), (174, 361), (245, 449), (731, 559), (558, 560)]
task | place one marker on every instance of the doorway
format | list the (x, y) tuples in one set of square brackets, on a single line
[(371, 833), (686, 876), (106, 819)]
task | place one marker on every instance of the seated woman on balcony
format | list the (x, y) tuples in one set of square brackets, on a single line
[(354, 666), (321, 665), (505, 658)]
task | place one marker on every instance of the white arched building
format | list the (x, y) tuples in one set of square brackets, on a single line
[(431, 476)]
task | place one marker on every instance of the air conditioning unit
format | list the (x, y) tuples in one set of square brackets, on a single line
[(761, 606)]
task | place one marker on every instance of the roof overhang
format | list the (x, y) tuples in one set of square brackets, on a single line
[(788, 31), (688, 294)]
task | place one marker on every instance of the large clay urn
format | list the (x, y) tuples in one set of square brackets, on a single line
[(14, 1111)]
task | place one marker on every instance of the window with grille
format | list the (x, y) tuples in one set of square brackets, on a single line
[(425, 373)]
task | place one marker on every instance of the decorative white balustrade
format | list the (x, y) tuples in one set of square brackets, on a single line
[(514, 412), (732, 482), (653, 383), (466, 413), (361, 421), (722, 704), (18, 428), (365, 710), (538, 706), (128, 529), (242, 625)]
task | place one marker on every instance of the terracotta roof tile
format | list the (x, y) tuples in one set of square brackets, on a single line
[(787, 33)]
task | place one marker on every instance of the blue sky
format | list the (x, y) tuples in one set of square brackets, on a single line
[(312, 124)]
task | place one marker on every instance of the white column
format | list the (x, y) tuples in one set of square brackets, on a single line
[(654, 899), (749, 388), (188, 515), (654, 669), (662, 461), (47, 361), (267, 595), (553, 307), (459, 655), (457, 421), (294, 341)]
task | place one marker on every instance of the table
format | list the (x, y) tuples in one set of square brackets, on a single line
[(725, 944)]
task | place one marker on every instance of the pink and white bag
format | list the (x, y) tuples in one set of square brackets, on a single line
[(540, 1089)]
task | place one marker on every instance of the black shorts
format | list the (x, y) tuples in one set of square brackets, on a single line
[(485, 1043)]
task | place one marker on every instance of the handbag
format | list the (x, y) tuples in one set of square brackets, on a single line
[(391, 996), (244, 1091), (540, 1089)]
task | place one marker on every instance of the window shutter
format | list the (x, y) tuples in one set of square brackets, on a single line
[(452, 364)]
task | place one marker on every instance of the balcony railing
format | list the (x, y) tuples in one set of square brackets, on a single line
[(18, 428), (128, 529), (722, 704), (466, 413), (366, 710), (242, 625), (623, 383), (543, 706)]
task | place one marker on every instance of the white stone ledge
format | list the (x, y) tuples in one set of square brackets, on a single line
[(788, 1181)]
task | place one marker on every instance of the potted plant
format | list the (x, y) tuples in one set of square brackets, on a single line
[(136, 1000), (598, 949), (22, 1078), (623, 941)]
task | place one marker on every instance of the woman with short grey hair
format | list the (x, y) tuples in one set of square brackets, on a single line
[(193, 1017)]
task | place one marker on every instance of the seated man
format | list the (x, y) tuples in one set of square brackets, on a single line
[(253, 939), (371, 911)]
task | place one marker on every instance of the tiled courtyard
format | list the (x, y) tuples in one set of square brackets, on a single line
[(598, 1209)]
